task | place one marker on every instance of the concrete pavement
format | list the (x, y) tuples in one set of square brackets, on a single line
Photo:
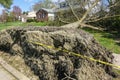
[(7, 72), (4, 75), (116, 59)]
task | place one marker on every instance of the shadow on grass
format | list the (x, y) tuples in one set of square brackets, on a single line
[(118, 43), (115, 35)]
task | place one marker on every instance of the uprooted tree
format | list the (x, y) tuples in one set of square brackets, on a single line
[(89, 12), (55, 64)]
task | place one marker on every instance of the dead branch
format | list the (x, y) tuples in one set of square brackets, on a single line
[(68, 77), (81, 23), (63, 20), (94, 18), (106, 17), (88, 11), (92, 27), (72, 10)]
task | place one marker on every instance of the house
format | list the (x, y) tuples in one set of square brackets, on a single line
[(31, 15), (23, 18), (44, 14)]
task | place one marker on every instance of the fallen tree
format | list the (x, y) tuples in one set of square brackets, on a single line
[(92, 12)]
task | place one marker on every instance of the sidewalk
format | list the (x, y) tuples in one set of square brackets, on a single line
[(4, 75), (7, 72), (116, 59)]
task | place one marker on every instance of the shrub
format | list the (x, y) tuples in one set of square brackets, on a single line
[(110, 24), (31, 20)]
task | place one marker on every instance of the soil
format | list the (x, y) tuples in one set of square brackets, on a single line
[(50, 64)]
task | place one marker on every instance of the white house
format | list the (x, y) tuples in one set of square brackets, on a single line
[(31, 15)]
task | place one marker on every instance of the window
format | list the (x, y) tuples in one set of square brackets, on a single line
[(39, 15), (43, 15)]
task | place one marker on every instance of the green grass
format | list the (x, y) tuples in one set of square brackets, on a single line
[(16, 24), (105, 39)]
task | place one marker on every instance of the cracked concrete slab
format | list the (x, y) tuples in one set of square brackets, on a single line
[(9, 71), (4, 75)]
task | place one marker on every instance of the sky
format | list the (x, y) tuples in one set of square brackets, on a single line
[(25, 5)]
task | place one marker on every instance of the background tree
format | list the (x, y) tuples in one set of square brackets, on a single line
[(6, 3), (17, 12), (11, 17), (43, 4), (25, 13), (4, 15)]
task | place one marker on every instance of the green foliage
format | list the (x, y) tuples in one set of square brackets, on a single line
[(43, 4), (9, 19), (105, 39), (6, 3), (111, 24), (30, 20), (25, 13)]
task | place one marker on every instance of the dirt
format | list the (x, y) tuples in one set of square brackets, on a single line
[(50, 64)]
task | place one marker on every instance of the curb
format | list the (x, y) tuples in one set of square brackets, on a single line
[(18, 75)]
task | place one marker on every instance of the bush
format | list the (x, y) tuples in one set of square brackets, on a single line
[(31, 20), (110, 24)]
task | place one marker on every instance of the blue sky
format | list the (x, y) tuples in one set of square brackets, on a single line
[(25, 5)]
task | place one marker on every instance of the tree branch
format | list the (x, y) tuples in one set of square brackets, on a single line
[(72, 10), (88, 11), (103, 18)]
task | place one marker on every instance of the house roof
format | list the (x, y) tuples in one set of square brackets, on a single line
[(48, 10), (32, 14)]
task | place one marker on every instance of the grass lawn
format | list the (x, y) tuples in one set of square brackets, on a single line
[(16, 24), (106, 39)]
